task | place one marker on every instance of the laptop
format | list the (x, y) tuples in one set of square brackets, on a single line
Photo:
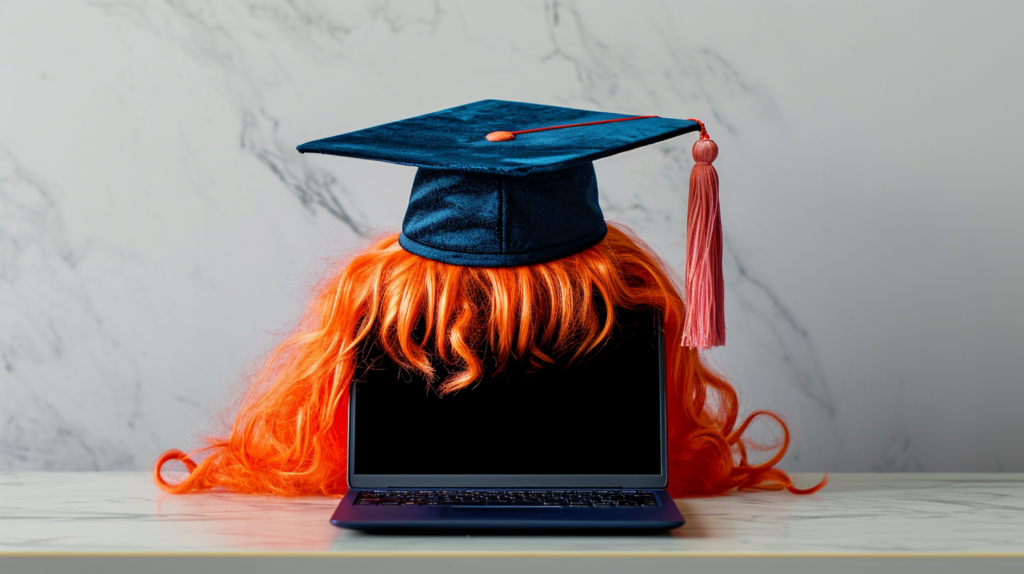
[(576, 446)]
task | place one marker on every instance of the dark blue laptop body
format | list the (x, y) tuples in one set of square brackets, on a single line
[(575, 447), (514, 518)]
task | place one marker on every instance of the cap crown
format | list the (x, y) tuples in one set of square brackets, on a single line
[(491, 220)]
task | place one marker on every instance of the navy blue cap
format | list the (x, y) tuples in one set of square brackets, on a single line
[(485, 203)]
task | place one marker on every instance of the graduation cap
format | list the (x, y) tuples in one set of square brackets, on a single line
[(502, 184)]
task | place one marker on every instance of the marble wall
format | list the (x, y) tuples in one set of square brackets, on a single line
[(158, 230)]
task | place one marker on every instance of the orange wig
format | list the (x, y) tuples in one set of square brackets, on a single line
[(289, 436)]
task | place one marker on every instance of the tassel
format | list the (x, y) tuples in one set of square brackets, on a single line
[(704, 325)]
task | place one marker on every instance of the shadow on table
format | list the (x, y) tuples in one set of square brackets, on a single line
[(695, 526), (692, 529)]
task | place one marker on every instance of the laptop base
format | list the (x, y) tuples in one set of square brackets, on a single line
[(454, 518)]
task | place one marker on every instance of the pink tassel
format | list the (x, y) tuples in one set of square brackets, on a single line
[(705, 288)]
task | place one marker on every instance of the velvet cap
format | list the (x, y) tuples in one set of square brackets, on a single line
[(481, 203)]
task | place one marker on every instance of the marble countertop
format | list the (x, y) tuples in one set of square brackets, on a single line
[(856, 515)]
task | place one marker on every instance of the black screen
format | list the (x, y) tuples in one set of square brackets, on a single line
[(597, 416)]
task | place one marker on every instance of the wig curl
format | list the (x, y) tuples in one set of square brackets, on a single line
[(289, 436)]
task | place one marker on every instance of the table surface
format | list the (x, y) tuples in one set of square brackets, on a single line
[(857, 515)]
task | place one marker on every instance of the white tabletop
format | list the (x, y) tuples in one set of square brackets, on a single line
[(857, 516)]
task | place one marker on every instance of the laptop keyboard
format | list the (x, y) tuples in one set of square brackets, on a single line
[(595, 498)]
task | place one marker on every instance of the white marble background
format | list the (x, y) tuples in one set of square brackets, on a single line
[(157, 228)]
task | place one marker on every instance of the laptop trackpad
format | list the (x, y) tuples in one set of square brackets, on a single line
[(501, 513)]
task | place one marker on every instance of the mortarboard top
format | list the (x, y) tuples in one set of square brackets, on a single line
[(529, 199), (455, 139)]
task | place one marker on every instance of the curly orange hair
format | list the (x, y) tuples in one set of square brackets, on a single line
[(289, 437)]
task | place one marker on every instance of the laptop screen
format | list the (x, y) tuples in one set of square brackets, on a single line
[(600, 416)]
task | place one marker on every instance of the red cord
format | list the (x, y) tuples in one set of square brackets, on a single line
[(703, 131), (503, 136), (578, 125)]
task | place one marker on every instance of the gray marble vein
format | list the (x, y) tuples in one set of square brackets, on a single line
[(47, 318), (788, 340), (314, 188), (218, 36)]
